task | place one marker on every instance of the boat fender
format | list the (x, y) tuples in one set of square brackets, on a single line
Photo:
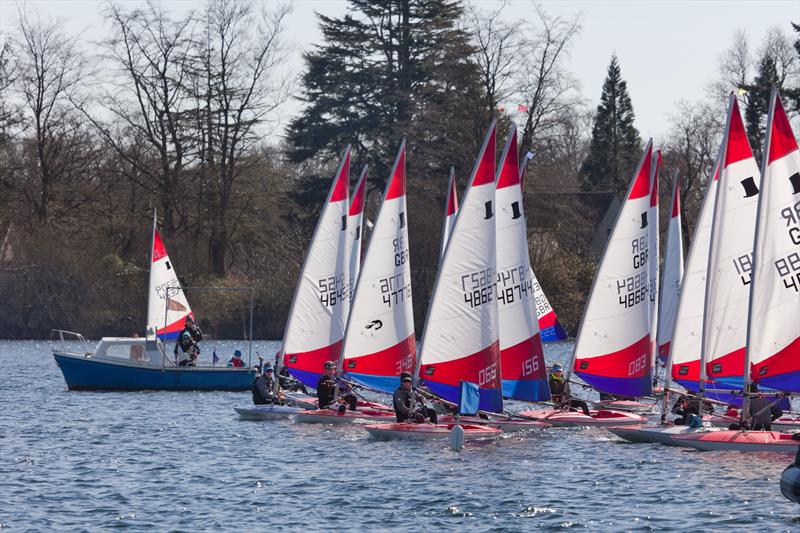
[(457, 437)]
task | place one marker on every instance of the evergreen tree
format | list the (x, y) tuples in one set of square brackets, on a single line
[(615, 146), (388, 70), (758, 102)]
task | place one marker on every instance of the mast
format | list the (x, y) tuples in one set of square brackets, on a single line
[(150, 274), (701, 385), (764, 163)]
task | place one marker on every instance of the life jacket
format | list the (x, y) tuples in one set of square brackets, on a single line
[(236, 362)]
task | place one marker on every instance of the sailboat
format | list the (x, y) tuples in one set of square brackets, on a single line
[(613, 349), (461, 341), (524, 374), (317, 316), (550, 329), (673, 274), (355, 228), (450, 211), (379, 342), (142, 363), (771, 351)]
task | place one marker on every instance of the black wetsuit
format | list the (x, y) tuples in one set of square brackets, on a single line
[(263, 390), (326, 391), (560, 394), (186, 343), (402, 401)]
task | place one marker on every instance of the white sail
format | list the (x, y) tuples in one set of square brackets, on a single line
[(673, 273), (730, 257), (612, 351), (379, 342), (654, 260), (521, 353), (167, 306), (450, 211), (315, 327), (461, 337), (687, 337), (774, 330), (355, 228)]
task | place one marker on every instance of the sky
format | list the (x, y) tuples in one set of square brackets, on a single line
[(668, 50)]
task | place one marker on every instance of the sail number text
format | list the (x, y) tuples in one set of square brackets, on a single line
[(332, 289), (395, 289), (632, 290), (478, 287), (513, 284)]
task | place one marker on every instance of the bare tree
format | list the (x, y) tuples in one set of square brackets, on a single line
[(547, 90), (498, 45), (50, 69), (690, 149), (237, 86), (145, 96)]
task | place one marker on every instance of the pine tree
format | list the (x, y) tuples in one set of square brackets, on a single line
[(388, 70), (615, 146), (758, 102)]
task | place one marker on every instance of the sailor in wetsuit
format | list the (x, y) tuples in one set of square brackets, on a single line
[(560, 393), (409, 405), (327, 389), (188, 338), (265, 390)]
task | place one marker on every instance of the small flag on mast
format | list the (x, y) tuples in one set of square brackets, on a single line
[(214, 357), (522, 108)]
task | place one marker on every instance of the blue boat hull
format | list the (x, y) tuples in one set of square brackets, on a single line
[(85, 373)]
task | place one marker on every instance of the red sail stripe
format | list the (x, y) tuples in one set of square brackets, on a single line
[(397, 187), (738, 147), (641, 186), (482, 367), (357, 203), (618, 364), (782, 141), (509, 171), (524, 361), (342, 184), (159, 251), (388, 362), (484, 173), (785, 361)]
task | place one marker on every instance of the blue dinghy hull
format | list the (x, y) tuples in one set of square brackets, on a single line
[(87, 373)]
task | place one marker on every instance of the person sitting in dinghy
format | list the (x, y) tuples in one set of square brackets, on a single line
[(188, 338), (409, 405), (327, 389), (265, 389), (560, 393)]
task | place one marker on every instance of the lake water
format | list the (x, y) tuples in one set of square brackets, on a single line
[(184, 461)]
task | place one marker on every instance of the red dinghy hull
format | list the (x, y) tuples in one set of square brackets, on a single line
[(307, 401), (329, 416), (598, 418), (740, 441), (624, 405), (427, 431), (506, 426), (786, 424)]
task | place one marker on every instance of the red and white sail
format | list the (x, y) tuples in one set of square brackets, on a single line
[(730, 257), (521, 354), (355, 228), (461, 337), (687, 338), (316, 323), (379, 342), (673, 273), (774, 331), (550, 329), (653, 260), (612, 351), (450, 211), (167, 306)]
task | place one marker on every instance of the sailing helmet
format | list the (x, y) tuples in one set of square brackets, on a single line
[(267, 368), (405, 376), (329, 364), (237, 353), (557, 368)]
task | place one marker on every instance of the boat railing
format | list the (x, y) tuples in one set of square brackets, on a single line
[(64, 336)]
